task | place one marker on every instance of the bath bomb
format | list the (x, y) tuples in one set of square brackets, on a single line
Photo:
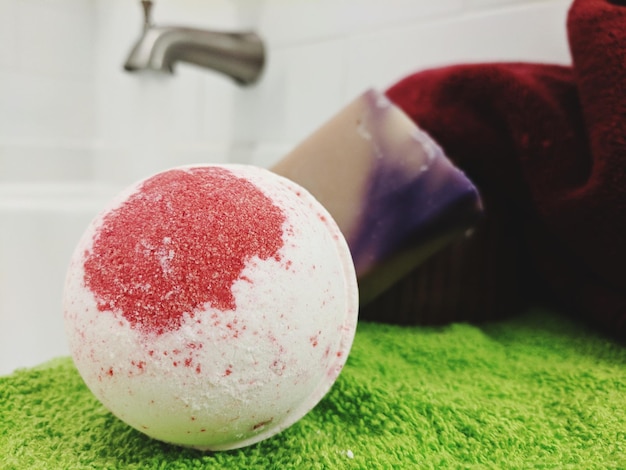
[(211, 306)]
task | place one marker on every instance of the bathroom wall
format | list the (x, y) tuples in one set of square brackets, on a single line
[(62, 87), (47, 125), (149, 121), (321, 54), (74, 126), (46, 89)]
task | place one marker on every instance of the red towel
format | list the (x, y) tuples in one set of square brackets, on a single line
[(546, 146)]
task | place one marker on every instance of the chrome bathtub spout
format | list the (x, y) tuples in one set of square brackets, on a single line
[(240, 55)]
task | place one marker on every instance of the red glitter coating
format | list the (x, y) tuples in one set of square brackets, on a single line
[(179, 242)]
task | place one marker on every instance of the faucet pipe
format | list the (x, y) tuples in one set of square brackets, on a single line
[(240, 55)]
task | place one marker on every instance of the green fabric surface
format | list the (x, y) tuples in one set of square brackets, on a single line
[(537, 391)]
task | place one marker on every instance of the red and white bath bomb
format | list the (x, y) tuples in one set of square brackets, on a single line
[(211, 306)]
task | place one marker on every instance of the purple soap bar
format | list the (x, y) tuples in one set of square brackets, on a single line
[(394, 194)]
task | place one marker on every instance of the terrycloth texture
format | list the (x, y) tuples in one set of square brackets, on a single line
[(536, 392), (546, 146)]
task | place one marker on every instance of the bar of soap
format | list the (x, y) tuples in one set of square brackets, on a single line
[(211, 306), (395, 195)]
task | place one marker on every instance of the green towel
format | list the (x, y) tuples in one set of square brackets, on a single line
[(538, 391)]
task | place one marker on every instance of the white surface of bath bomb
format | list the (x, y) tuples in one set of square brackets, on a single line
[(211, 306)]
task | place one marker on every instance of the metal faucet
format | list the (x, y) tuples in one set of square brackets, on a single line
[(238, 55)]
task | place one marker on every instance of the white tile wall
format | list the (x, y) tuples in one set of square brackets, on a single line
[(47, 112), (286, 22), (524, 32), (43, 162), (302, 86), (8, 34), (326, 52), (56, 37), (146, 121), (35, 108), (61, 71)]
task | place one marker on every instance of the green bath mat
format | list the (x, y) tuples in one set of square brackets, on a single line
[(534, 392)]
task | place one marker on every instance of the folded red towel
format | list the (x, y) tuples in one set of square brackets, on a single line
[(546, 145)]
